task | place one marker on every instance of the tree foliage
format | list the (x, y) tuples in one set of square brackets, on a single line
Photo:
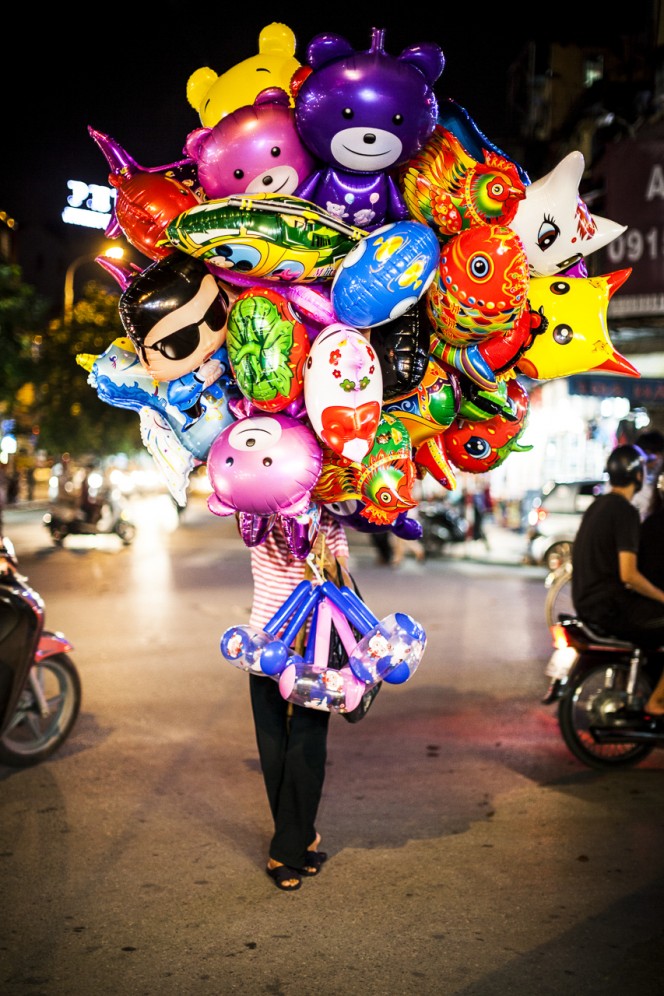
[(22, 314), (70, 415)]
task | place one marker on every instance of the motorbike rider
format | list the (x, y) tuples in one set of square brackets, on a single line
[(608, 590)]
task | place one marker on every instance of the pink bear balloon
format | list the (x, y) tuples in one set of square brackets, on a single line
[(254, 150)]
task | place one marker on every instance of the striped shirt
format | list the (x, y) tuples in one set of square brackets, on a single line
[(276, 572)]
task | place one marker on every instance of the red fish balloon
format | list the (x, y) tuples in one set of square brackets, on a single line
[(146, 200)]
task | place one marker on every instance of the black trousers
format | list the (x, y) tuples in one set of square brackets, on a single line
[(292, 747), (638, 619)]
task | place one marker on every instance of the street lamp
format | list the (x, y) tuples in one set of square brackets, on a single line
[(114, 252)]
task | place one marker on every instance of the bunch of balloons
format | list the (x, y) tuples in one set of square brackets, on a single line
[(344, 280)]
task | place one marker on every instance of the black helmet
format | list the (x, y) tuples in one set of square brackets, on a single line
[(625, 467)]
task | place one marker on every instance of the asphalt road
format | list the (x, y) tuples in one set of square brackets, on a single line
[(470, 854)]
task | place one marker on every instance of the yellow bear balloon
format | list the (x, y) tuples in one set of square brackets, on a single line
[(216, 96)]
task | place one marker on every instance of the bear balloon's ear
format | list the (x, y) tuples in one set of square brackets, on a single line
[(198, 85), (324, 48), (273, 95), (427, 57), (195, 141)]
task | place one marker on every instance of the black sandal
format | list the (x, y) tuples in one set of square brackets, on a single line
[(316, 861), (283, 874)]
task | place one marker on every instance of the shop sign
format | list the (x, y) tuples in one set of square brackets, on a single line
[(634, 177), (640, 391)]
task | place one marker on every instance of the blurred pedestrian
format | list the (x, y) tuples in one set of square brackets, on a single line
[(652, 444)]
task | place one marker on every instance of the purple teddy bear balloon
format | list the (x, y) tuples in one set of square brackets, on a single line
[(362, 114)]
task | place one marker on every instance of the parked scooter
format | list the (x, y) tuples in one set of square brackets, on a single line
[(442, 524), (601, 685), (109, 517), (40, 688)]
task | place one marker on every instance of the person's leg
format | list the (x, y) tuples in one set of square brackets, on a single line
[(270, 711), (292, 746), (301, 788), (642, 620)]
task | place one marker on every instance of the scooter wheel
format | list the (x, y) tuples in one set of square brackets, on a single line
[(33, 735), (588, 703)]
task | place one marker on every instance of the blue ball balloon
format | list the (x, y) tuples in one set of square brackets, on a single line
[(385, 274)]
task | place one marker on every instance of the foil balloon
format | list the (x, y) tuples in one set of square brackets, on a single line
[(402, 348), (175, 314), (263, 465), (349, 513), (264, 235), (431, 407), (267, 348), (450, 190), (477, 447), (121, 380), (385, 274), (554, 224), (343, 391), (479, 292), (255, 149), (300, 531), (274, 65), (455, 119), (361, 114), (146, 199), (177, 443), (382, 482), (575, 337), (311, 300)]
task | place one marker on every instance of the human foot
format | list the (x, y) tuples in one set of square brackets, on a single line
[(315, 859), (285, 878)]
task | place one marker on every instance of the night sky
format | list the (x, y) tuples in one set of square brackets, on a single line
[(124, 70)]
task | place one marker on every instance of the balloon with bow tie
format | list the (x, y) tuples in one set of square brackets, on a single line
[(343, 391)]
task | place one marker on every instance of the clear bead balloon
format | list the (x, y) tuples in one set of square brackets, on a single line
[(391, 651)]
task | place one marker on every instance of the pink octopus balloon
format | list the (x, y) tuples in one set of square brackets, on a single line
[(263, 465)]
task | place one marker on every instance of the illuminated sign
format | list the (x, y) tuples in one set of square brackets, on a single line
[(89, 205)]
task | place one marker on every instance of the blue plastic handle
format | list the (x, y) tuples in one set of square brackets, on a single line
[(290, 605), (348, 607)]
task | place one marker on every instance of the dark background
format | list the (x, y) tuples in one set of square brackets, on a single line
[(123, 70)]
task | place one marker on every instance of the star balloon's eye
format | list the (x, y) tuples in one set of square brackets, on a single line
[(560, 287), (563, 334)]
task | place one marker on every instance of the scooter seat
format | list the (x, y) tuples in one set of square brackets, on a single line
[(598, 635)]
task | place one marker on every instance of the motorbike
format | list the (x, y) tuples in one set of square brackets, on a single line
[(600, 685), (442, 524), (40, 687), (65, 519)]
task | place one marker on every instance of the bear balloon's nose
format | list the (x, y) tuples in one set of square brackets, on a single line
[(369, 138), (267, 181)]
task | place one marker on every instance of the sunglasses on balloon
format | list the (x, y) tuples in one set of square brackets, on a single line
[(185, 341)]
